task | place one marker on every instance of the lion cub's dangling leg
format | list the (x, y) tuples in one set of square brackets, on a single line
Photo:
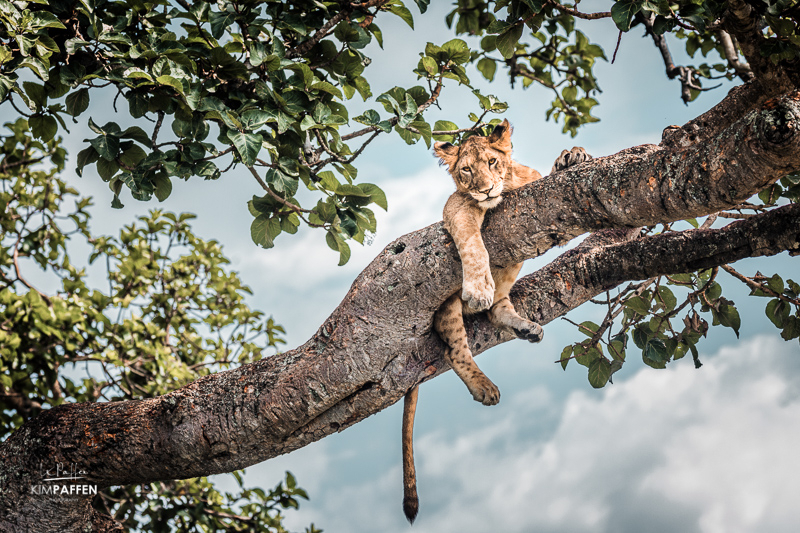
[(503, 315), (449, 324)]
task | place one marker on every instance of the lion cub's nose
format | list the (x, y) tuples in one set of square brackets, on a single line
[(486, 191)]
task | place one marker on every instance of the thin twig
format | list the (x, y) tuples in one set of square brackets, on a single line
[(578, 14), (758, 286), (296, 208), (303, 48)]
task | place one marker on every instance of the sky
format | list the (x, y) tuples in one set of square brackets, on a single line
[(708, 450)]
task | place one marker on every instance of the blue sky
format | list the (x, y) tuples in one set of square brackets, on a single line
[(707, 450)]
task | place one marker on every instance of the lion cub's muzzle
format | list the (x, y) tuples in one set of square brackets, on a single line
[(489, 197)]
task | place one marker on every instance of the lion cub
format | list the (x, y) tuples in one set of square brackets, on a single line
[(482, 169)]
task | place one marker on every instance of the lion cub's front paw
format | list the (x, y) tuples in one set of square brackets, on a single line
[(478, 293), (531, 332), (484, 391), (570, 158)]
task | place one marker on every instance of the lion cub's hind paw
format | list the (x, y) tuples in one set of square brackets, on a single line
[(570, 158), (532, 332)]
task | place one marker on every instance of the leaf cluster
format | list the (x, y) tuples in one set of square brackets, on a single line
[(213, 85), (667, 316), (172, 312), (662, 327), (537, 43), (196, 505)]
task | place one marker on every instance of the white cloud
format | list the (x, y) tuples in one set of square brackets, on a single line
[(710, 450)]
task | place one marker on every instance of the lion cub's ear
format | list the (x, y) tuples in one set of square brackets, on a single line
[(446, 152), (500, 138)]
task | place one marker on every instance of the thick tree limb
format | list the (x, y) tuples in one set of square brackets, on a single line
[(378, 342)]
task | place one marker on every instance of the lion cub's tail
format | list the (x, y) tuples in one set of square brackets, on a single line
[(410, 499)]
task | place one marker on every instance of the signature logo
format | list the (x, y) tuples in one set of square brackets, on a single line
[(63, 479)]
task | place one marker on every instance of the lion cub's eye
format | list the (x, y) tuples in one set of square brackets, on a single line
[(492, 161), (466, 170)]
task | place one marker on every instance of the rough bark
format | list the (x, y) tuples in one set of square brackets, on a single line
[(378, 342)]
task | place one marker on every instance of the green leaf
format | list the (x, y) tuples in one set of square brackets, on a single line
[(429, 65), (329, 88), (171, 81), (336, 243), (44, 19), (132, 155), (599, 372), (43, 127), (220, 22), (487, 67), (163, 187), (86, 157), (424, 130), (457, 50), (259, 231), (137, 134), (640, 336), (776, 284), (565, 355), (345, 189), (623, 11), (370, 117), (78, 102), (36, 93), (107, 146), (777, 311), (655, 353), (402, 11), (376, 195), (714, 291), (252, 119), (107, 169), (791, 328), (507, 41), (728, 316), (638, 304), (585, 356), (138, 105), (666, 298), (247, 145), (616, 347), (588, 328), (282, 182), (770, 194)]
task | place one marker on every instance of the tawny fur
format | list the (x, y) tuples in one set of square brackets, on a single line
[(482, 170)]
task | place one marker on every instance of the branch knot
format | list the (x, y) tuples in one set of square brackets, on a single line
[(781, 119)]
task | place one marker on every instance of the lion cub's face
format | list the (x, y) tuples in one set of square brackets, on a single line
[(480, 165)]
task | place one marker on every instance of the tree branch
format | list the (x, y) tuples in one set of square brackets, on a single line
[(303, 48), (686, 75), (741, 68), (378, 342), (578, 14)]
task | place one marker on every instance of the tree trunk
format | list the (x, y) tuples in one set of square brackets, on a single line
[(378, 342)]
